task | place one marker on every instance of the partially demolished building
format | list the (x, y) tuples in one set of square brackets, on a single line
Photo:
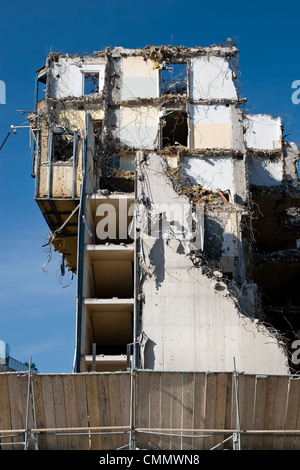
[(177, 210)]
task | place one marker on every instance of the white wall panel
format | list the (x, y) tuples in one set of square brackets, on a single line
[(211, 78)]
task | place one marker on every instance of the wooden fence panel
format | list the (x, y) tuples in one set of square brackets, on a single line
[(221, 402), (71, 410), (199, 408), (155, 420), (279, 400), (82, 410), (247, 385), (49, 409), (16, 411), (210, 408), (142, 413), (93, 408), (188, 395), (259, 410), (40, 414), (59, 404), (69, 406), (5, 421)]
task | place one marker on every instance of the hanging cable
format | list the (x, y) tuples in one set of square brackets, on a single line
[(10, 132)]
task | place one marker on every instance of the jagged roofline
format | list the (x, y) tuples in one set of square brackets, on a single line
[(180, 51)]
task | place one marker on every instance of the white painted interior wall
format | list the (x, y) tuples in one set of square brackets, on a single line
[(68, 77), (264, 171), (211, 78), (211, 172), (209, 114), (262, 132), (139, 78)]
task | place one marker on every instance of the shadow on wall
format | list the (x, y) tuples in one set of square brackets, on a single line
[(149, 354)]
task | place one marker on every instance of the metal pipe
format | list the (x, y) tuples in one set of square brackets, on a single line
[(27, 407), (36, 92), (11, 443), (33, 149), (237, 436), (94, 357), (176, 435), (2, 145), (128, 350), (38, 159), (82, 429), (210, 431), (134, 345), (132, 410), (50, 146), (80, 259), (222, 442), (74, 162), (14, 434), (135, 273), (35, 436), (87, 226), (87, 433)]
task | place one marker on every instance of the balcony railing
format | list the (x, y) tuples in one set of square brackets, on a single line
[(13, 364)]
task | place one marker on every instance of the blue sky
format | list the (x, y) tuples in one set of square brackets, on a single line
[(37, 309)]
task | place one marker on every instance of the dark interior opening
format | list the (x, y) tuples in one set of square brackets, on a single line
[(276, 260), (111, 350), (276, 225), (98, 128), (62, 147), (119, 184), (174, 128)]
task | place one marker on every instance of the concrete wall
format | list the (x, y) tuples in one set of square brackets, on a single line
[(67, 76), (191, 321)]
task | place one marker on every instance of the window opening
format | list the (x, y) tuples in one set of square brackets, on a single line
[(174, 79), (91, 83), (97, 127), (62, 147), (174, 129)]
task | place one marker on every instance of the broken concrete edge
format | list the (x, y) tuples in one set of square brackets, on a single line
[(229, 288)]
